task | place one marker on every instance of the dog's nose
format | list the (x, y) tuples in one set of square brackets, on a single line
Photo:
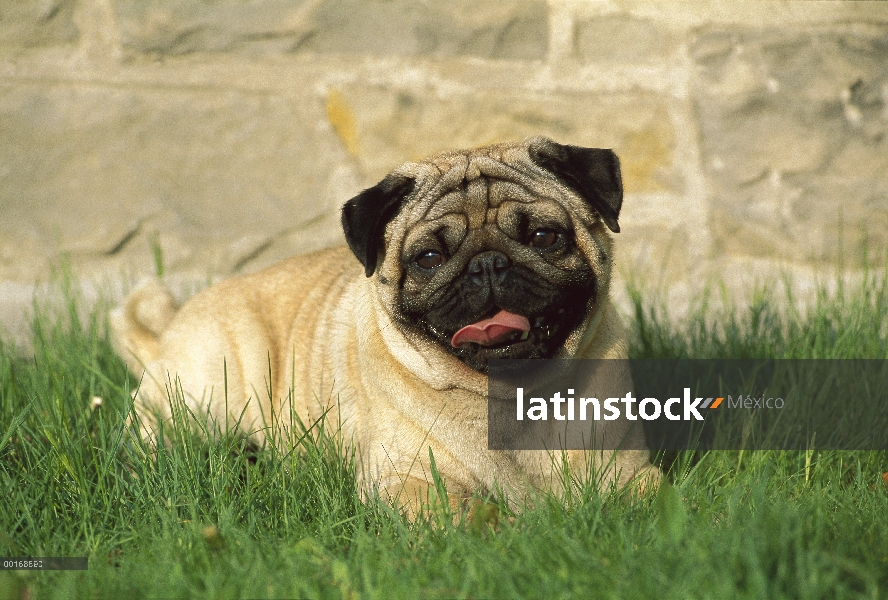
[(488, 266)]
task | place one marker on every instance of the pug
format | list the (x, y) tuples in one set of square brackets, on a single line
[(500, 252)]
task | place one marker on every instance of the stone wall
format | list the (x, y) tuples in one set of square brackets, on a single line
[(228, 133)]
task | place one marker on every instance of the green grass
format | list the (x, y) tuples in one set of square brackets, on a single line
[(220, 520)]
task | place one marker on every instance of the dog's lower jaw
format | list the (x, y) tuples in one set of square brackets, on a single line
[(546, 340)]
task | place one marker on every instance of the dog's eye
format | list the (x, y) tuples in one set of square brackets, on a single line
[(544, 238), (430, 259)]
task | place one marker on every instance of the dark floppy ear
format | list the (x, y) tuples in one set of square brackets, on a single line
[(593, 173), (365, 216)]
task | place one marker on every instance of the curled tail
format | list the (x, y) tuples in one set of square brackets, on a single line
[(136, 326)]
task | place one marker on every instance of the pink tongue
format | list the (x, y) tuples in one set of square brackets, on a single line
[(491, 331)]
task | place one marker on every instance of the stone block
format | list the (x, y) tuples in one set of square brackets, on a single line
[(392, 126), (794, 138), (167, 27), (30, 23), (624, 39), (221, 176), (512, 29)]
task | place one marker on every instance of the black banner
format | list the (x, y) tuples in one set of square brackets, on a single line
[(677, 404), (52, 563)]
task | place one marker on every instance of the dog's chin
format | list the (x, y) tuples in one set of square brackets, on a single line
[(476, 356)]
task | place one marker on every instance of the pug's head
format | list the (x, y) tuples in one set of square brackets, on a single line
[(497, 252)]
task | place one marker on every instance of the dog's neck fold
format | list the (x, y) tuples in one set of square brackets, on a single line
[(413, 349)]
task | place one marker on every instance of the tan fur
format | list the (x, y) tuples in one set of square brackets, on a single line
[(326, 335)]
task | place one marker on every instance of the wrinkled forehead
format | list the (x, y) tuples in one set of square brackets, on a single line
[(473, 183)]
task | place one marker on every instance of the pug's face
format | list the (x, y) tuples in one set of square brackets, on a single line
[(499, 252)]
